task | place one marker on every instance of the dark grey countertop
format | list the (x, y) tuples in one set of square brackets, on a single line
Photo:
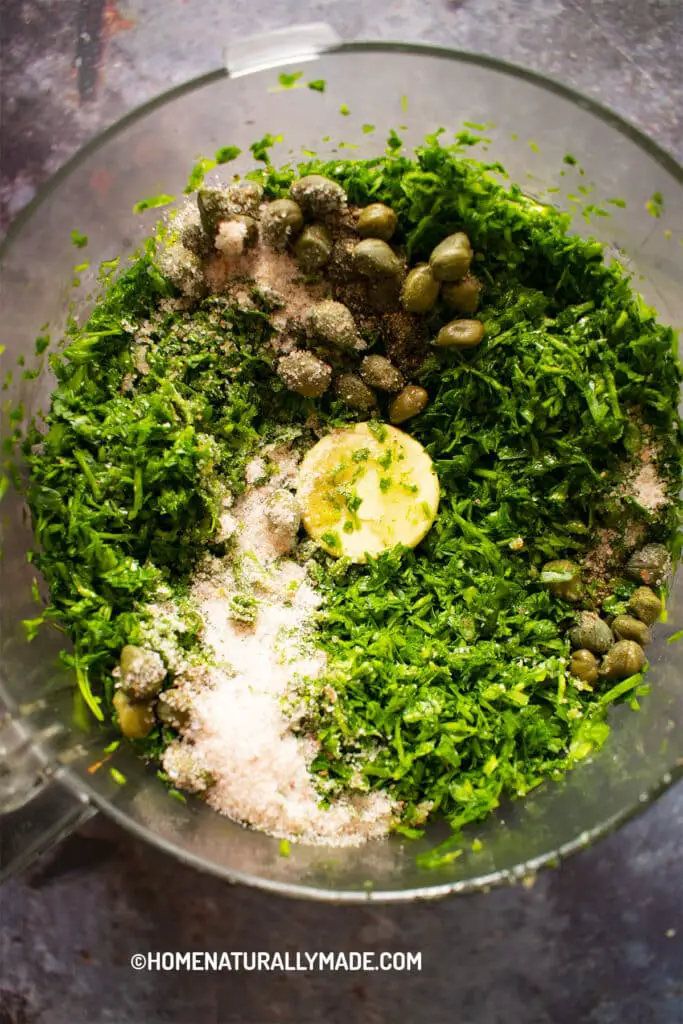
[(598, 940)]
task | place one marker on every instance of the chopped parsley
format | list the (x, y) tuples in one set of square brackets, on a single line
[(260, 149), (449, 661), (154, 201), (289, 80), (227, 153)]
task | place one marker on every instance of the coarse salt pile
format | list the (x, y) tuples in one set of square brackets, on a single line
[(231, 238), (647, 487), (272, 271), (239, 733)]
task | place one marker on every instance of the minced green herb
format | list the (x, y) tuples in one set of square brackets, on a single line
[(317, 85), (78, 239), (198, 173), (226, 154), (243, 608), (449, 661), (153, 202), (288, 81), (260, 148)]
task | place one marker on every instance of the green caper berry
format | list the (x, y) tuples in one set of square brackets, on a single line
[(626, 627), (420, 290), (584, 665), (651, 565), (377, 221), (355, 393), (463, 296), (375, 259), (592, 633), (461, 334), (305, 374), (379, 372), (410, 402), (563, 579), (282, 220), (136, 720), (625, 659), (313, 248), (645, 605), (318, 196), (451, 259)]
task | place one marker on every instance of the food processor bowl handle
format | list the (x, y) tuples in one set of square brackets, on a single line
[(38, 807), (281, 46)]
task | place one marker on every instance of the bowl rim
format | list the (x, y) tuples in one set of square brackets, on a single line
[(80, 786)]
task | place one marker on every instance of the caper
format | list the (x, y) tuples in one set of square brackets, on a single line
[(591, 632), (584, 665), (651, 565), (374, 258), (451, 259), (623, 660), (184, 269), (408, 403), (281, 221), (251, 228), (460, 334), (626, 627), (379, 372), (305, 374), (192, 237), (244, 197), (136, 720), (173, 708), (420, 290), (463, 296), (377, 221), (318, 196), (313, 248), (563, 579), (214, 206), (645, 605), (355, 393), (141, 672), (333, 322)]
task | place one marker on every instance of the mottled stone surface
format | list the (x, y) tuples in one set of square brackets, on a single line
[(597, 941), (71, 67)]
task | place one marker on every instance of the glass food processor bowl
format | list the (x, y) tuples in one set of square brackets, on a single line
[(47, 781)]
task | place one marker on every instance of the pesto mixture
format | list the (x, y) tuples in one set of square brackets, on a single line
[(459, 672)]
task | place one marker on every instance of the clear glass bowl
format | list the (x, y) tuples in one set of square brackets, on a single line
[(532, 123)]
